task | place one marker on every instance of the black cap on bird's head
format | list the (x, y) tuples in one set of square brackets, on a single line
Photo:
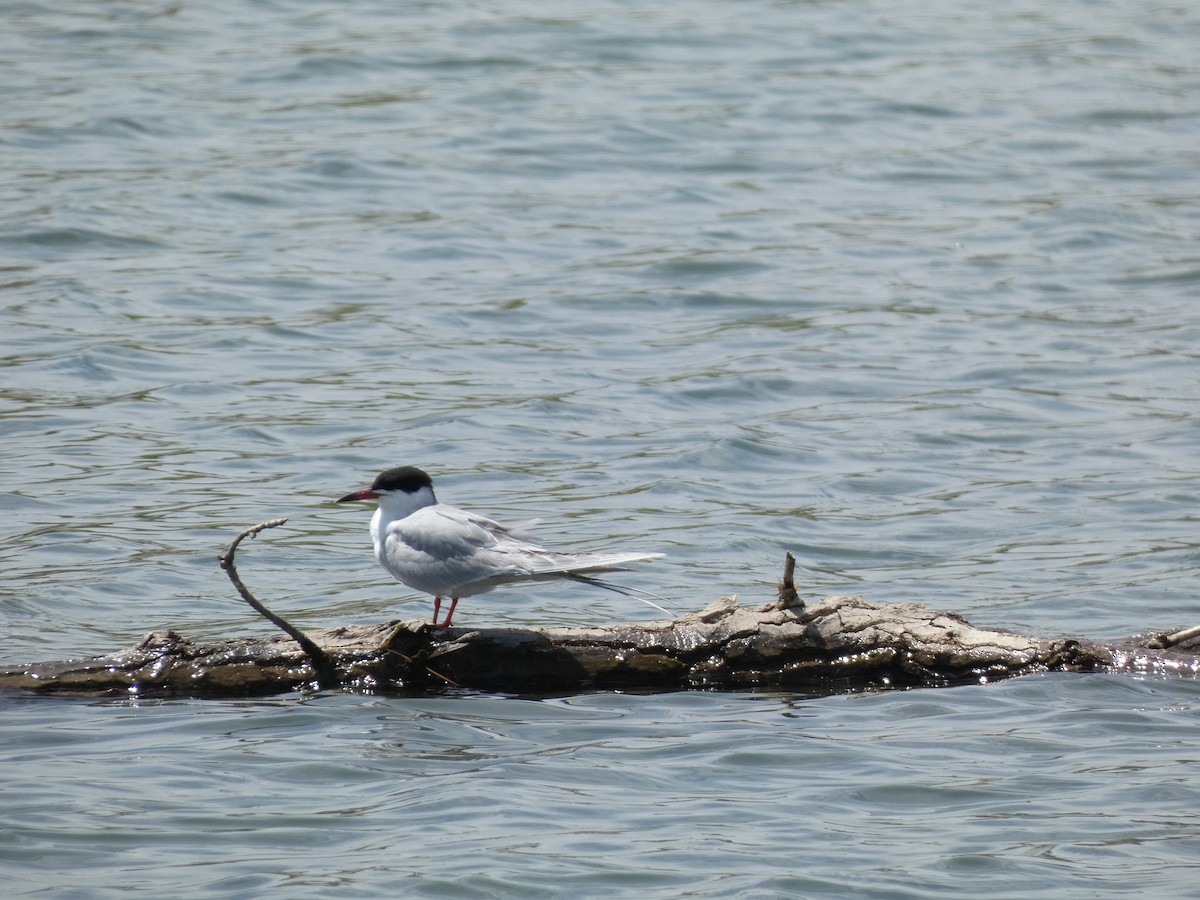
[(405, 479)]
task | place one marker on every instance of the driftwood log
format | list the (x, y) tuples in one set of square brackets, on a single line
[(838, 644)]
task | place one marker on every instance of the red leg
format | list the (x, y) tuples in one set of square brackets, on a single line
[(437, 605), (449, 615)]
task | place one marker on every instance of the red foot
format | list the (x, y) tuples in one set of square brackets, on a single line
[(437, 605)]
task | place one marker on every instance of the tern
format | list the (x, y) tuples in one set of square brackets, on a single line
[(451, 553)]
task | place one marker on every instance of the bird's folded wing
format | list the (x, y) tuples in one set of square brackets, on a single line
[(444, 532)]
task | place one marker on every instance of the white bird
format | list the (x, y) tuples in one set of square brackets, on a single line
[(449, 552)]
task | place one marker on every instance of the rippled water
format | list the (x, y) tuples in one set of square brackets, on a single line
[(908, 289)]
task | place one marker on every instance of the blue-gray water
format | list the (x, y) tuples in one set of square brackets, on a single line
[(911, 289)]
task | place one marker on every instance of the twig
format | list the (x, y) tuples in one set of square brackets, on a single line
[(322, 665), (1169, 641)]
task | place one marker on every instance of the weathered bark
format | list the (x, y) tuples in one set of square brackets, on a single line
[(839, 644)]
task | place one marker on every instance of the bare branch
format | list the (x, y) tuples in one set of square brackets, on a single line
[(1178, 640), (322, 666)]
